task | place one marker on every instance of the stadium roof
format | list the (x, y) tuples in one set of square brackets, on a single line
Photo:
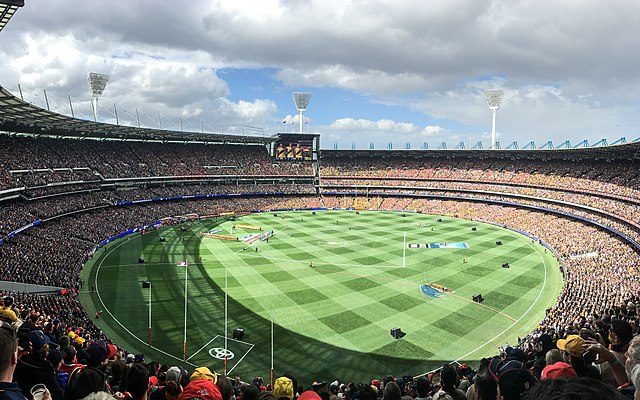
[(7, 9), (18, 116)]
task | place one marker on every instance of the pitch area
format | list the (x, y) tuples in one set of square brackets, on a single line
[(331, 284)]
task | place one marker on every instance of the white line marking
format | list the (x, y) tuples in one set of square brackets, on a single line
[(104, 307), (214, 338)]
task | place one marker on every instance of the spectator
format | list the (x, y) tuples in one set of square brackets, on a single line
[(224, 384), (9, 390), (486, 387), (391, 391), (581, 388), (35, 368), (573, 347), (87, 384), (138, 384), (449, 379), (201, 386), (423, 387), (512, 377), (558, 370), (55, 358)]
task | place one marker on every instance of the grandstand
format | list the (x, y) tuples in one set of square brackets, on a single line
[(77, 196), (68, 186)]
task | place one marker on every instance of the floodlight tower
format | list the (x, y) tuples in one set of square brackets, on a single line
[(7, 9), (302, 101), (494, 98), (97, 83)]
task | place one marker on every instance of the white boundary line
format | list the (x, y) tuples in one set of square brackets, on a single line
[(104, 307), (172, 356), (544, 283)]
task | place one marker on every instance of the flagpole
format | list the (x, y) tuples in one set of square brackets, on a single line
[(225, 318), (184, 347)]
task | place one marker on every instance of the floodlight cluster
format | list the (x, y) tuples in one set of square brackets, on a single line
[(97, 83), (302, 100), (494, 98)]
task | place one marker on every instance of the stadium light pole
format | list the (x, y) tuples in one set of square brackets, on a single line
[(494, 98), (302, 102), (97, 84)]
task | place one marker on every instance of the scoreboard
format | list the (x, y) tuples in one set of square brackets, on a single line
[(295, 147)]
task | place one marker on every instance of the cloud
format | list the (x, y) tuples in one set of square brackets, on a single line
[(573, 77), (364, 125)]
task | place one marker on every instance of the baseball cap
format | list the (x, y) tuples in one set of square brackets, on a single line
[(513, 352), (55, 356), (512, 377), (572, 345), (38, 339), (175, 374), (112, 350), (97, 352), (309, 395), (558, 370)]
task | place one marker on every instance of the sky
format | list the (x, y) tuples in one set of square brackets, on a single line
[(405, 72)]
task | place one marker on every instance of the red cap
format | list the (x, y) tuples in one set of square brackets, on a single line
[(558, 370), (112, 351), (309, 395), (203, 389)]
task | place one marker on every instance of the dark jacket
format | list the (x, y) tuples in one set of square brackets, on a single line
[(32, 369), (11, 391)]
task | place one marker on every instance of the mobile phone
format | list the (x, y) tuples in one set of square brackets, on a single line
[(588, 357), (23, 338)]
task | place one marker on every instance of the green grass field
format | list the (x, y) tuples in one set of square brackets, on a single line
[(331, 320)]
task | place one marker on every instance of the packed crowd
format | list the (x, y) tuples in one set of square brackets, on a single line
[(21, 213), (602, 177), (600, 271), (49, 351), (72, 160), (625, 220), (52, 253), (629, 210), (597, 177)]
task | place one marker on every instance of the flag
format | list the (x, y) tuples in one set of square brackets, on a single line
[(183, 264)]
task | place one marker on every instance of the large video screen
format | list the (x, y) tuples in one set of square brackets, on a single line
[(290, 147)]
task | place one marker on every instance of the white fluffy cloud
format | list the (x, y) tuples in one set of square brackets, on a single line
[(568, 69), (364, 125)]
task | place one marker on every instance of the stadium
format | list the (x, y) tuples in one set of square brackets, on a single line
[(260, 256)]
